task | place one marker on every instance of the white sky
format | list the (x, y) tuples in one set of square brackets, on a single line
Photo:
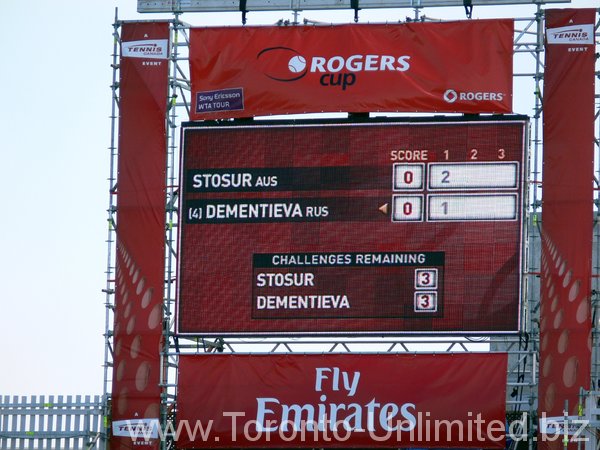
[(54, 122)]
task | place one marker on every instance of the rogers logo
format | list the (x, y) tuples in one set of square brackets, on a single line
[(450, 96), (287, 64)]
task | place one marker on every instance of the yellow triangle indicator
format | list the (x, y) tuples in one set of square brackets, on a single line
[(384, 208)]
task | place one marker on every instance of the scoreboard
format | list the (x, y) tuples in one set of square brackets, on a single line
[(374, 227)]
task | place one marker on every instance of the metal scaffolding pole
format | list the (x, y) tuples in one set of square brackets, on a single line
[(168, 363), (109, 289)]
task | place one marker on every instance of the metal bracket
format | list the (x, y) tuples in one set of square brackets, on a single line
[(243, 10), (354, 4)]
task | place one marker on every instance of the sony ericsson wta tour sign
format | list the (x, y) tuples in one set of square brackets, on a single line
[(463, 66), (341, 400)]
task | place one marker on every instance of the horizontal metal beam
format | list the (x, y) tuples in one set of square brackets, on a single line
[(166, 6)]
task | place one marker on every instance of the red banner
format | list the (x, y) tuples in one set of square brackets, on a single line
[(341, 400), (461, 66), (140, 231), (565, 325)]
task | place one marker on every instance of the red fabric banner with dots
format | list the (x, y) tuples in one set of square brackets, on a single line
[(567, 221), (140, 234), (342, 401)]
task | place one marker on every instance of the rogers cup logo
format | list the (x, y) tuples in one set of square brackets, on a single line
[(287, 64), (574, 34), (148, 49)]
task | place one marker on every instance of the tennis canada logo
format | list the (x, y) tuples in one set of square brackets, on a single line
[(147, 49), (574, 34), (286, 64)]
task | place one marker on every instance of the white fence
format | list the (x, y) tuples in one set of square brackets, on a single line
[(51, 422)]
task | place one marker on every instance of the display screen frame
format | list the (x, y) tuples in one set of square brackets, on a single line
[(298, 329)]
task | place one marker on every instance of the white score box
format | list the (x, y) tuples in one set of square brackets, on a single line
[(472, 207), (426, 278), (407, 208), (484, 175), (425, 301), (408, 176)]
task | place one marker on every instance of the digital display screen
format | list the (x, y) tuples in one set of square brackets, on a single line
[(375, 227)]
